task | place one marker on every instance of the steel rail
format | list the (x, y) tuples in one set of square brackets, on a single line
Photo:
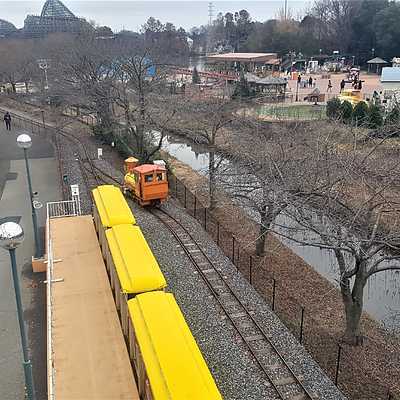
[(304, 393)]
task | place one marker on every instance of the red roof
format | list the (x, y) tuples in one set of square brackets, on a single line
[(145, 168)]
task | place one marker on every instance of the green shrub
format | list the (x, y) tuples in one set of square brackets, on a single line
[(360, 113), (393, 117), (346, 111), (195, 77), (332, 108), (242, 88), (375, 118)]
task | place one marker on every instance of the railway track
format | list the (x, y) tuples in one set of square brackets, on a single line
[(285, 383)]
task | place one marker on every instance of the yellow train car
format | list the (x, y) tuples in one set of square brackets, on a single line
[(109, 209), (353, 96), (131, 265), (167, 360)]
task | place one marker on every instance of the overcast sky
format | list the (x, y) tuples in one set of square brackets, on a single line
[(129, 14)]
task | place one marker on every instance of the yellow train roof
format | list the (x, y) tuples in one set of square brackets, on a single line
[(112, 206), (136, 266), (174, 363)]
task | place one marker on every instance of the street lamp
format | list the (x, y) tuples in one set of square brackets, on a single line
[(44, 66), (11, 236), (24, 142)]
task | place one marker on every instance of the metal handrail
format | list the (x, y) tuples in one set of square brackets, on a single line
[(49, 303), (65, 208)]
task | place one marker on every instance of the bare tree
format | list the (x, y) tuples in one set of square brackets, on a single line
[(353, 213), (207, 121), (268, 172), (141, 86), (83, 72), (17, 62)]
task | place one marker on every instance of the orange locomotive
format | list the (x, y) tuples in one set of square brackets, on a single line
[(147, 183)]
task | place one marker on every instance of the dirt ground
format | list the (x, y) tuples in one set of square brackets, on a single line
[(366, 372), (370, 83)]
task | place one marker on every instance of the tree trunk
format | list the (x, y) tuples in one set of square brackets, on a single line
[(353, 306), (265, 223), (353, 310), (212, 180)]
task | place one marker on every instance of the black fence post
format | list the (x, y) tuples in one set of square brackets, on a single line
[(251, 269), (338, 364), (273, 294), (233, 249), (205, 219), (176, 187), (195, 206), (217, 233), (185, 196), (301, 325)]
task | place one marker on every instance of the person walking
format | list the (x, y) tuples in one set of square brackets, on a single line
[(342, 85), (310, 80), (7, 120), (329, 89)]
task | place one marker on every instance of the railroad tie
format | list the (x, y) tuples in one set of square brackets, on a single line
[(254, 338), (285, 380)]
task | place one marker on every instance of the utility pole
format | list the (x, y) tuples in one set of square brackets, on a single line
[(210, 19), (286, 9), (210, 12)]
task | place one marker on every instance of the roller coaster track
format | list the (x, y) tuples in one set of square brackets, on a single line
[(286, 384)]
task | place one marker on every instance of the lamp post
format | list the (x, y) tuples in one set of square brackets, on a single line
[(44, 66), (11, 236), (24, 142)]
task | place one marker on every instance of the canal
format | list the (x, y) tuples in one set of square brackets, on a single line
[(382, 294)]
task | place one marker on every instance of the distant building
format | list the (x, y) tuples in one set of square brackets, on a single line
[(249, 62), (55, 17), (390, 78), (7, 28), (396, 62)]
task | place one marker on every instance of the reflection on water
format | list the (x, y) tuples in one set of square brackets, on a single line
[(191, 154), (382, 294)]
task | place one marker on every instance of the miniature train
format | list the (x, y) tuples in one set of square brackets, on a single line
[(147, 183), (166, 359)]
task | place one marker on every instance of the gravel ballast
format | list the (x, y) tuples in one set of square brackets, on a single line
[(236, 373)]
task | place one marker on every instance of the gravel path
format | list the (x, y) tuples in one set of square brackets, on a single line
[(235, 372)]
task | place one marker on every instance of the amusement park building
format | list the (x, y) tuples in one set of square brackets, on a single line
[(55, 17), (6, 28)]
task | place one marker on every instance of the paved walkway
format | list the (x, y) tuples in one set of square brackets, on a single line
[(14, 202), (370, 83)]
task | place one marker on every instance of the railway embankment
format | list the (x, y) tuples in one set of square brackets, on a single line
[(363, 368)]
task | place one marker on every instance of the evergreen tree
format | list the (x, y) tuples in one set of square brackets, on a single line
[(195, 76), (346, 111), (375, 118), (393, 117), (360, 113), (242, 88), (332, 108)]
